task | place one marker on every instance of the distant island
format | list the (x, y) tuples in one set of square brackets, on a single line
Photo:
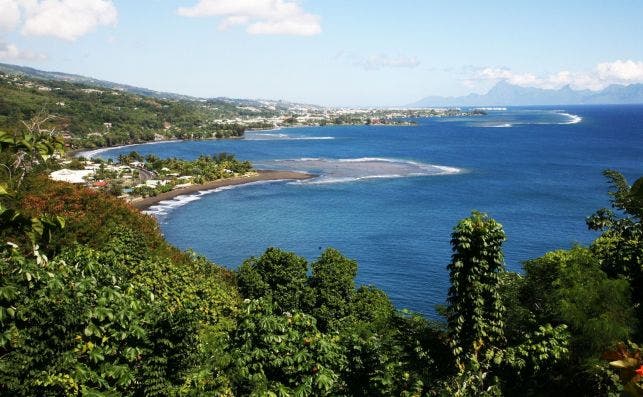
[(505, 94)]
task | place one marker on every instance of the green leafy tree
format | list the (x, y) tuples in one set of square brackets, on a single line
[(333, 287), (620, 246), (284, 354), (71, 327), (367, 336), (371, 309), (526, 368), (278, 274), (27, 150), (20, 154), (569, 287), (475, 312)]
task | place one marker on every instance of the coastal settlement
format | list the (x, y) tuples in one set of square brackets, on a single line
[(134, 177)]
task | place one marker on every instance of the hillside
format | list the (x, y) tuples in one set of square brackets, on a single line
[(505, 94), (74, 78), (42, 75), (95, 113), (90, 116)]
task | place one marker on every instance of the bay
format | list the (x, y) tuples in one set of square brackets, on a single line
[(389, 196)]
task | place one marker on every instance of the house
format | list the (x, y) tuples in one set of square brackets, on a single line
[(155, 182), (71, 176)]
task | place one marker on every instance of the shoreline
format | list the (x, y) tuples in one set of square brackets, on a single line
[(262, 175), (83, 152)]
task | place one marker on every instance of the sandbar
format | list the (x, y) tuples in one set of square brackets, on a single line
[(261, 175)]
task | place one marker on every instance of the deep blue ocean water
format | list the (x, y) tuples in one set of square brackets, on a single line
[(380, 199)]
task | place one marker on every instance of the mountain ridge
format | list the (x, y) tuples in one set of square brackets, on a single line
[(505, 94), (80, 79)]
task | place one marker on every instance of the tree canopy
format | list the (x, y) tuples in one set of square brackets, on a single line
[(94, 302)]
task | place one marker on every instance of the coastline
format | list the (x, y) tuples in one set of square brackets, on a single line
[(90, 153), (262, 175)]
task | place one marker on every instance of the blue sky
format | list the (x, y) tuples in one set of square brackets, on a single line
[(329, 52)]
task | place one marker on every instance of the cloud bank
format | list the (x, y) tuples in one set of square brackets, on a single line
[(378, 61), (63, 19), (604, 74), (267, 17), (9, 15), (66, 19), (12, 52)]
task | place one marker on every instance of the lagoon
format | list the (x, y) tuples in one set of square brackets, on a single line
[(389, 196)]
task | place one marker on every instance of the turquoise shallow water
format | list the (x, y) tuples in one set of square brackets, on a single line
[(389, 196)]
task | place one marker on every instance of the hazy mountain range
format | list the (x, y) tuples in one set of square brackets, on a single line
[(505, 94)]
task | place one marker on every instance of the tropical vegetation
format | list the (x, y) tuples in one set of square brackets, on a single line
[(94, 302)]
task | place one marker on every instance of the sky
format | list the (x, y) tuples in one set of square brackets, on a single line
[(329, 52)]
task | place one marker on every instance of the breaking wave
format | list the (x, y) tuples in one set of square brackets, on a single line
[(356, 169), (573, 118), (528, 117), (269, 136), (162, 208)]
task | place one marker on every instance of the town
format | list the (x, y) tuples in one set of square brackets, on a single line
[(133, 176)]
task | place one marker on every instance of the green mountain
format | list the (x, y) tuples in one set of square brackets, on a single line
[(92, 113), (74, 78), (32, 73)]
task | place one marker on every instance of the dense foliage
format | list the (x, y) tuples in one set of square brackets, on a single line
[(204, 168), (96, 117), (475, 314), (94, 302)]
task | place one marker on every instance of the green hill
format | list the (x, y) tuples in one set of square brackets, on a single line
[(89, 115)]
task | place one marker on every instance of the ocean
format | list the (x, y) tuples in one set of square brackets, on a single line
[(389, 196)]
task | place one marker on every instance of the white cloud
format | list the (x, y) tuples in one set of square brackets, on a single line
[(66, 19), (9, 52), (10, 15), (275, 17), (603, 75), (378, 61), (623, 71), (524, 79)]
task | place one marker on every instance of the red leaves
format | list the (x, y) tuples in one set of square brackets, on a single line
[(639, 371), (87, 212)]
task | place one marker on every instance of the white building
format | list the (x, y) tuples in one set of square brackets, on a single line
[(71, 176)]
